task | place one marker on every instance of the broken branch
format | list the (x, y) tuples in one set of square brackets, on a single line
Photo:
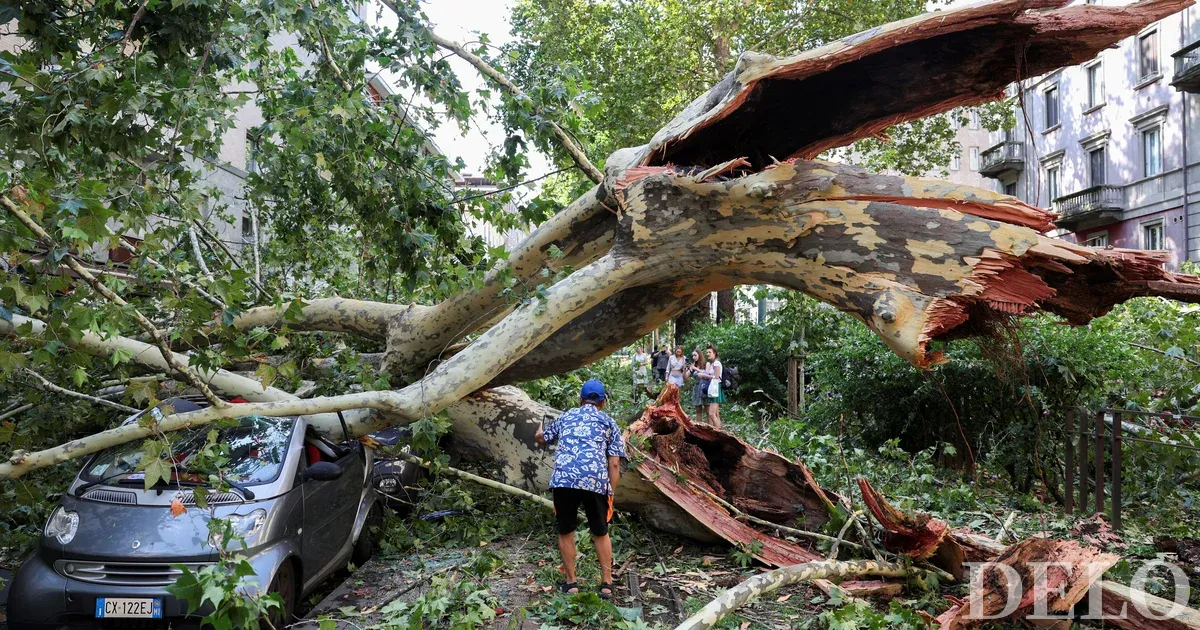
[(764, 583), (47, 385)]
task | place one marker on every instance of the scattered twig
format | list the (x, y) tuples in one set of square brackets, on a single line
[(833, 551), (23, 408), (1004, 529), (483, 481), (47, 385), (1151, 349)]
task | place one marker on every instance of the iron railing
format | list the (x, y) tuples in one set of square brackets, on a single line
[(1094, 199), (1005, 153), (1087, 429), (1187, 64)]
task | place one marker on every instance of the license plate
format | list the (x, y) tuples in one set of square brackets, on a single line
[(144, 608)]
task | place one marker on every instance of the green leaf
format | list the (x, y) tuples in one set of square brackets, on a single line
[(10, 362), (201, 494), (266, 374), (119, 356), (156, 470), (79, 376), (187, 587)]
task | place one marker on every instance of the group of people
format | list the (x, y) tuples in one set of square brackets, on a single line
[(700, 376)]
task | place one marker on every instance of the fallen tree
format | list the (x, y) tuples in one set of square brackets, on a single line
[(727, 193)]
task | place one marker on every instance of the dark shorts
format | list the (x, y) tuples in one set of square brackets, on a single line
[(598, 508)]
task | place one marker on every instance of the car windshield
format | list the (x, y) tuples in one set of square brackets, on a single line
[(257, 449)]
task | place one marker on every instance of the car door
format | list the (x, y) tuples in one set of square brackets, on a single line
[(330, 508)]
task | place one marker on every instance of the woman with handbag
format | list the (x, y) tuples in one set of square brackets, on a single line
[(714, 394)]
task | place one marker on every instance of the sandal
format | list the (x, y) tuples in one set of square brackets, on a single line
[(609, 587), (565, 587)]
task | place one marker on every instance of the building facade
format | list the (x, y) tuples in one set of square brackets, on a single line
[(1113, 145)]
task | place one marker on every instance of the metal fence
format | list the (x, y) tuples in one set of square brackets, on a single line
[(1090, 431)]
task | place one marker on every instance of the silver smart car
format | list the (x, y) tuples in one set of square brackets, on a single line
[(304, 505)]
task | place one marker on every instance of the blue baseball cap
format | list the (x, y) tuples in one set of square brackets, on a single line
[(593, 390)]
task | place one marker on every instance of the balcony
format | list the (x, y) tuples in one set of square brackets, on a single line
[(1090, 207), (1187, 68), (1006, 157)]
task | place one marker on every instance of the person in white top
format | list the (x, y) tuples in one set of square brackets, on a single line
[(715, 394), (676, 366), (641, 372)]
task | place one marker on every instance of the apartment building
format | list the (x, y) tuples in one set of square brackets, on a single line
[(973, 139), (1113, 145)]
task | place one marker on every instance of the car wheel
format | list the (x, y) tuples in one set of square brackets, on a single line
[(365, 546), (285, 585)]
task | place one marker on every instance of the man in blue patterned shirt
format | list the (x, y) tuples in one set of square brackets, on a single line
[(587, 468)]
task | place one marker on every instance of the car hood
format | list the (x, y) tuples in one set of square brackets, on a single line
[(134, 533)]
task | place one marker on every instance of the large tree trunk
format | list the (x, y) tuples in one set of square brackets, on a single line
[(694, 316), (727, 194)]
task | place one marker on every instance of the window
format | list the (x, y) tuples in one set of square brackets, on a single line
[(1152, 151), (974, 158), (955, 162), (1097, 239), (1010, 189), (955, 123), (1148, 55), (1052, 183), (252, 151), (1097, 166), (247, 227), (1095, 85), (1152, 235), (974, 124), (1050, 98)]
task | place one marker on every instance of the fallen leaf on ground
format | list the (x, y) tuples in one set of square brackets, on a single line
[(784, 598)]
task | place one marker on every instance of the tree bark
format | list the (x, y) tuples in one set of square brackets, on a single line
[(692, 317), (726, 306)]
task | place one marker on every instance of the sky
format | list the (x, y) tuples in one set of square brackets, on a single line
[(461, 21)]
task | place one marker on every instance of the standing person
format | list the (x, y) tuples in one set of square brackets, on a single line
[(700, 386), (714, 394), (676, 365), (660, 363), (641, 373), (587, 468)]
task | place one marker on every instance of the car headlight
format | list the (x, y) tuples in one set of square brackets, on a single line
[(388, 484), (244, 526), (62, 525)]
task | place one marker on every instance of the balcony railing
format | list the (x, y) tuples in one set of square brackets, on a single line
[(1091, 202), (1006, 156), (1187, 68)]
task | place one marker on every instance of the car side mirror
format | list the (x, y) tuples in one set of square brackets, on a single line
[(321, 471)]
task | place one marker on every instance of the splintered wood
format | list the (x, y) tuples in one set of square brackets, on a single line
[(1039, 575), (1036, 575), (916, 536), (759, 483)]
